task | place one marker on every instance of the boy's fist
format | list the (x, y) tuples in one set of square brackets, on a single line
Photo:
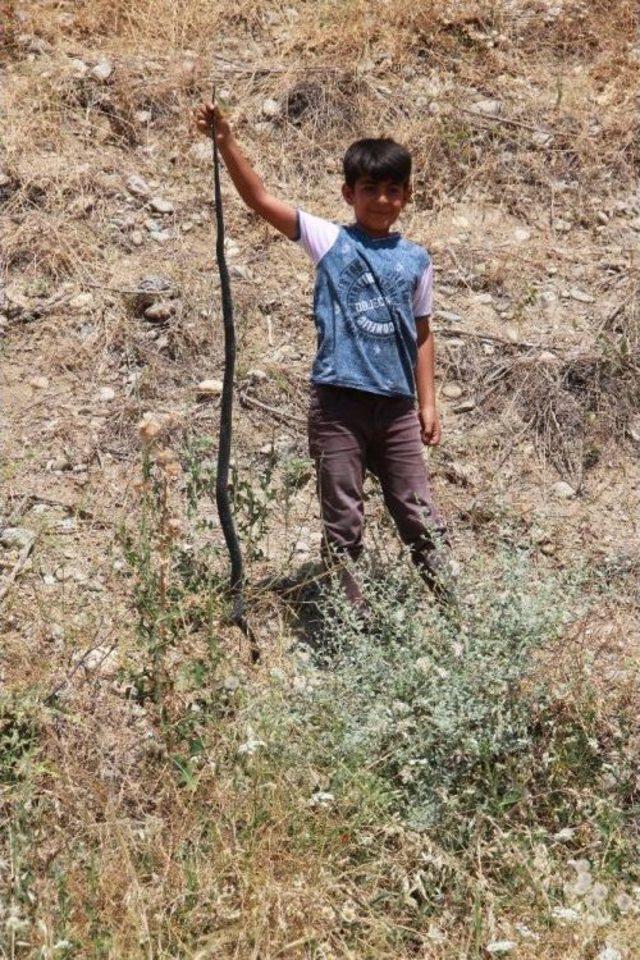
[(205, 115), (430, 426)]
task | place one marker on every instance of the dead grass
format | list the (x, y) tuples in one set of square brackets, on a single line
[(110, 848)]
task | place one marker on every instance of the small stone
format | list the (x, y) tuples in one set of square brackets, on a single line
[(602, 217), (106, 394), (138, 186), (209, 388), (67, 572), (500, 947), (82, 301), (521, 234), (576, 294), (102, 70), (152, 225), (102, 658), (16, 537), (542, 139), (488, 349), (484, 298), (465, 407), (187, 226), (563, 491), (257, 376), (137, 238), (78, 67), (452, 390), (143, 116), (270, 108), (548, 298), (241, 271), (39, 383), (231, 683), (162, 236), (161, 310), (160, 205), (609, 953), (58, 463), (491, 108), (511, 334), (49, 580), (561, 226), (447, 315)]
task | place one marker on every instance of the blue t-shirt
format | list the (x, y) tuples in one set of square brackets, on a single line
[(368, 293)]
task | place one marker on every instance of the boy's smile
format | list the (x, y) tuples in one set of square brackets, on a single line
[(377, 204)]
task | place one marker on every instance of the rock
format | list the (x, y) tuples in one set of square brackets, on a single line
[(82, 301), (602, 217), (143, 116), (484, 298), (160, 205), (563, 490), (161, 310), (447, 316), (162, 236), (521, 234), (67, 572), (138, 186), (49, 580), (209, 388), (58, 463), (548, 298), (257, 376), (152, 225), (576, 294), (609, 953), (39, 383), (465, 407), (561, 226), (150, 289), (241, 271), (16, 537), (137, 238), (187, 226), (270, 108), (78, 67), (488, 349), (498, 948), (102, 658), (105, 395), (102, 70), (452, 390), (491, 108), (542, 139), (511, 334)]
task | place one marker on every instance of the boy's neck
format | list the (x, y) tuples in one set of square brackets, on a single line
[(375, 234)]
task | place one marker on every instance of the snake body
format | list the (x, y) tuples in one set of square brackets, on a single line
[(223, 501)]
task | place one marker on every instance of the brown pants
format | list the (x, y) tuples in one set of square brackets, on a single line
[(350, 431)]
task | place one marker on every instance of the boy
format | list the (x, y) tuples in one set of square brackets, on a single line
[(372, 308)]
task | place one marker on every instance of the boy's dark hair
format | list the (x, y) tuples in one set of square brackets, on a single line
[(378, 158)]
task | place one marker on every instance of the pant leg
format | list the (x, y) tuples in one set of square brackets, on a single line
[(337, 446), (397, 452)]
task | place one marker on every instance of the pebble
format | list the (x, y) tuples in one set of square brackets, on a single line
[(563, 490), (138, 186), (465, 407), (602, 217), (162, 236), (257, 376), (12, 537), (49, 580), (511, 334), (39, 383), (143, 116), (101, 658), (500, 947), (576, 294), (187, 226), (490, 107), (58, 463), (102, 70), (484, 298), (136, 238), (547, 298), (447, 315), (161, 310), (453, 390), (521, 234), (270, 108), (78, 67), (151, 225), (67, 572), (542, 139), (106, 394), (82, 301), (160, 205), (609, 953), (561, 226), (209, 388)]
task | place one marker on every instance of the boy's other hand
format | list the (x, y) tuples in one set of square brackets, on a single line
[(430, 426), (204, 118)]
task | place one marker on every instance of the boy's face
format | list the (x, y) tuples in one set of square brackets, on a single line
[(377, 204)]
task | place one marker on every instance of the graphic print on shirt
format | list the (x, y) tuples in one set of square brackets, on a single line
[(367, 307)]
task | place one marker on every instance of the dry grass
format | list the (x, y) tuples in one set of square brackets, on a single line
[(111, 849)]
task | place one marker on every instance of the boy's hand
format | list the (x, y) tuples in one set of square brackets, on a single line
[(204, 117), (430, 426)]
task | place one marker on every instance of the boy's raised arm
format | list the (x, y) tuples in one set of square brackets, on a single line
[(247, 182)]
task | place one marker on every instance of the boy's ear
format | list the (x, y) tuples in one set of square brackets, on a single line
[(347, 193)]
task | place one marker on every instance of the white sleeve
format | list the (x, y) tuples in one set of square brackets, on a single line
[(315, 235), (423, 294)]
